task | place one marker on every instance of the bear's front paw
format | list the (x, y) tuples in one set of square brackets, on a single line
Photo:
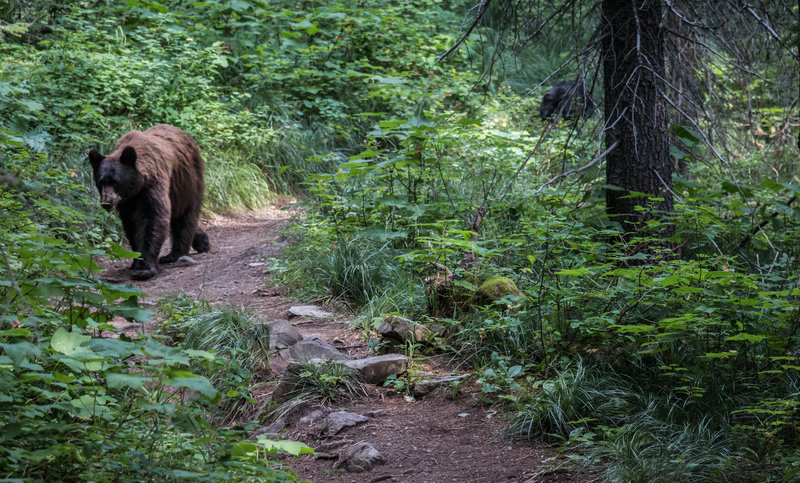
[(171, 258), (143, 273), (138, 264)]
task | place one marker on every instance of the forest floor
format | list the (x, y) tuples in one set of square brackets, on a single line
[(438, 438)]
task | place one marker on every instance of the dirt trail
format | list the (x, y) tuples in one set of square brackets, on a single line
[(440, 438)]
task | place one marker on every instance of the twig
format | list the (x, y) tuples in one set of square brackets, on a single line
[(582, 168)]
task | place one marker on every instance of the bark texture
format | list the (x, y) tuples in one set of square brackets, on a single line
[(636, 118)]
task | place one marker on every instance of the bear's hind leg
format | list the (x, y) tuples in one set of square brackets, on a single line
[(200, 241)]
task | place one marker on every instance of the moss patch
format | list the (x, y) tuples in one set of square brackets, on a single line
[(494, 289)]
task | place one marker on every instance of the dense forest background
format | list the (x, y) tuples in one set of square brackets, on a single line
[(427, 181)]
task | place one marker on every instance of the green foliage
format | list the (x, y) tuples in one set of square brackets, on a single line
[(653, 450), (682, 369), (178, 312)]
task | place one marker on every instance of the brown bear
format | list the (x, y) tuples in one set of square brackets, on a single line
[(154, 179)]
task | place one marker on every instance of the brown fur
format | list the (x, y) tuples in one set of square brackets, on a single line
[(154, 179)]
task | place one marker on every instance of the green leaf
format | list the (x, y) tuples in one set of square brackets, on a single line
[(633, 329), (117, 251), (20, 352), (746, 337), (573, 272), (720, 355), (71, 344), (121, 381), (294, 448), (196, 383), (168, 354)]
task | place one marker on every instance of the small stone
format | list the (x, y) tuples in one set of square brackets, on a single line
[(309, 419), (375, 369), (273, 429), (282, 334), (315, 348), (309, 311), (376, 413), (463, 415), (339, 420), (423, 388), (361, 457), (494, 289), (185, 261), (402, 329)]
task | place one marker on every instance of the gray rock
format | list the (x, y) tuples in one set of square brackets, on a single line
[(282, 334), (309, 419), (315, 348), (376, 413), (422, 388), (309, 311), (360, 457), (279, 360), (185, 261), (287, 382), (376, 369), (339, 420), (402, 329), (273, 429)]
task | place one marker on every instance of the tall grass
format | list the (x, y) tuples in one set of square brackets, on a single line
[(233, 186), (234, 334), (578, 396), (649, 449)]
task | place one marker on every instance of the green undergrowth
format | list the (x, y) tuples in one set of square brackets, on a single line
[(238, 338), (684, 368)]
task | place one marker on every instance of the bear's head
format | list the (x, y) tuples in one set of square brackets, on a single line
[(115, 176)]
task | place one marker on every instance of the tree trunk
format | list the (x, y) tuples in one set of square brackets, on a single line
[(633, 68)]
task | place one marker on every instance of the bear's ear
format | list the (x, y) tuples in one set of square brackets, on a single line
[(95, 158), (128, 157)]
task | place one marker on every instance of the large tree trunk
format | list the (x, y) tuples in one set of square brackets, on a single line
[(635, 114)]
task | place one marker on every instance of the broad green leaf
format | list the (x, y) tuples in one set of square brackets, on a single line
[(746, 338), (633, 329), (71, 344), (168, 354), (20, 352), (573, 272), (720, 355), (120, 381), (196, 383), (294, 448)]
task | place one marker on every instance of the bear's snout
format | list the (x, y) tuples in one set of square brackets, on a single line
[(109, 198)]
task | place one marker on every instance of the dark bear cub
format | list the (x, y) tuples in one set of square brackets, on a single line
[(154, 179), (568, 100)]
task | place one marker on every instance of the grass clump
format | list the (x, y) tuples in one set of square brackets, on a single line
[(233, 186), (327, 381), (576, 397), (232, 333), (649, 449), (179, 312)]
